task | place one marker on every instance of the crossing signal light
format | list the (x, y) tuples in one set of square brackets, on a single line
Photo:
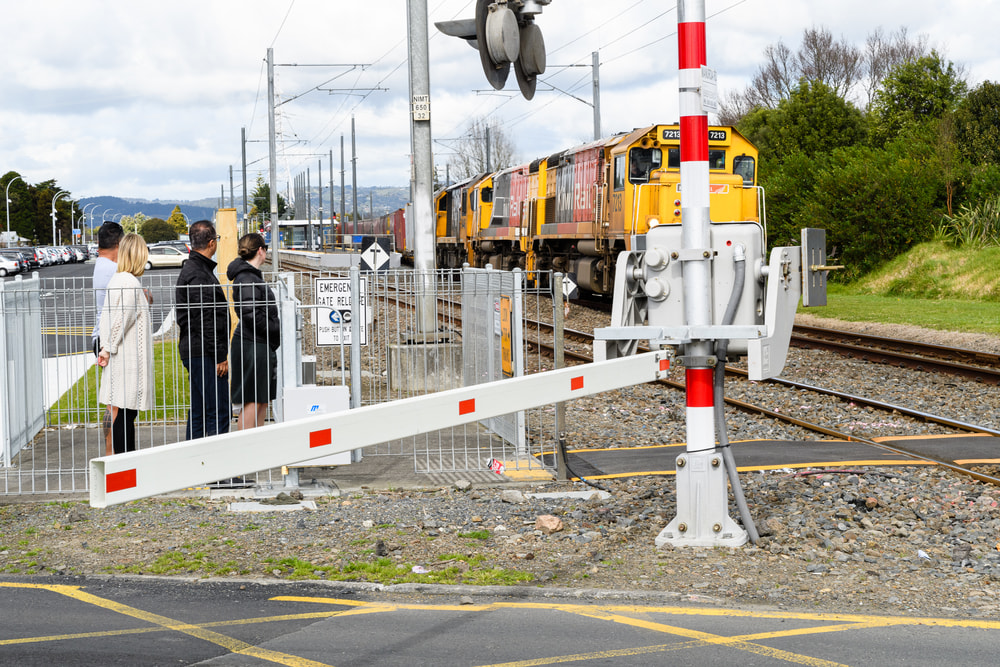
[(505, 34)]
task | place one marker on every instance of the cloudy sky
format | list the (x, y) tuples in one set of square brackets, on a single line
[(148, 99)]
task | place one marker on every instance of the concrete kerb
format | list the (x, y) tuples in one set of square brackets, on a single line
[(433, 590)]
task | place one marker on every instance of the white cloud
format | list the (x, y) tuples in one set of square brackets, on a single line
[(147, 100)]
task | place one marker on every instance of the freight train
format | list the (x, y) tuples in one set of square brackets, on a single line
[(574, 211)]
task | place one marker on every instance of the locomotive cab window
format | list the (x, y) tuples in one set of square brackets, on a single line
[(619, 178), (487, 195), (716, 159), (743, 165), (673, 158), (641, 162)]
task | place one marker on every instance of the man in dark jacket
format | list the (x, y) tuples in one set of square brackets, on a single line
[(203, 318)]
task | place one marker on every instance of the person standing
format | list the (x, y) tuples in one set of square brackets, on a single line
[(126, 345), (105, 266), (203, 318), (257, 336)]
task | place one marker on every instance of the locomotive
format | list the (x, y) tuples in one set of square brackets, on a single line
[(574, 211)]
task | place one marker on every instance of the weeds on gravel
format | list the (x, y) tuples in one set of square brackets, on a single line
[(476, 535), (175, 562)]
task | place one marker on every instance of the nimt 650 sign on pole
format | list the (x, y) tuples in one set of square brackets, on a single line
[(335, 310)]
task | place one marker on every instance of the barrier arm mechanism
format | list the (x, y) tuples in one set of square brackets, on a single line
[(141, 474)]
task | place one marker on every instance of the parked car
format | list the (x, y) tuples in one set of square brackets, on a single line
[(183, 246), (21, 258), (8, 266), (40, 256), (163, 256), (29, 255), (92, 250)]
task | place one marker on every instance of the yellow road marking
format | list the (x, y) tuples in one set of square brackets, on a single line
[(709, 639), (165, 623), (833, 617), (615, 613)]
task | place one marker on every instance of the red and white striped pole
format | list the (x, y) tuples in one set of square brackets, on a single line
[(702, 500), (695, 216)]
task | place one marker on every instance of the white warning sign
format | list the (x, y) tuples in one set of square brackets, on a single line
[(336, 310)]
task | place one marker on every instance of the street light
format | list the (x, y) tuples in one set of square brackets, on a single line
[(58, 195), (104, 215), (94, 204), (7, 197)]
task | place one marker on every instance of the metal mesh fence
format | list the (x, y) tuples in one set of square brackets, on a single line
[(52, 410)]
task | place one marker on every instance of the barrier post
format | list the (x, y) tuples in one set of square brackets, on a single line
[(702, 495)]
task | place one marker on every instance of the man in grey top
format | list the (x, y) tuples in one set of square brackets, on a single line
[(105, 267)]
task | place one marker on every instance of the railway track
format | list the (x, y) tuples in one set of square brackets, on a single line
[(909, 354), (857, 400), (971, 364)]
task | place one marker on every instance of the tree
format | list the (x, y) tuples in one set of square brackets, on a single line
[(814, 119), (133, 223), (915, 93), (483, 136), (977, 125), (155, 230), (883, 53), (875, 203), (178, 222), (261, 199), (820, 58)]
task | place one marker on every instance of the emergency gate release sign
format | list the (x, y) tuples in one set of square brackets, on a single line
[(335, 310)]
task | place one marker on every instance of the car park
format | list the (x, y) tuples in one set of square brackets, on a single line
[(164, 256)]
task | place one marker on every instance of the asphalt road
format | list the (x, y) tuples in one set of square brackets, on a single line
[(146, 621)]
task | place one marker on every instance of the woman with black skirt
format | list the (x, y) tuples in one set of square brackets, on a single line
[(252, 357)]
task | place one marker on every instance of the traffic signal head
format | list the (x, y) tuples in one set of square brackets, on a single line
[(505, 34)]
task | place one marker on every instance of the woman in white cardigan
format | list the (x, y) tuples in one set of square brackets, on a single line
[(126, 346)]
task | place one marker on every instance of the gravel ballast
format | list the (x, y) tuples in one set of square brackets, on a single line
[(916, 540)]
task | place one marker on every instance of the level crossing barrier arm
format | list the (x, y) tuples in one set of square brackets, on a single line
[(141, 474)]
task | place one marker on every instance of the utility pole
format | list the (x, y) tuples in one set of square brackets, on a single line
[(343, 209), (243, 142), (423, 166), (319, 188), (354, 181), (272, 162), (596, 71), (333, 208)]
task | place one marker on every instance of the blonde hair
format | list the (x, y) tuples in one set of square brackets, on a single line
[(132, 255)]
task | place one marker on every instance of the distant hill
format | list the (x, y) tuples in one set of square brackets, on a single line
[(152, 209), (384, 199)]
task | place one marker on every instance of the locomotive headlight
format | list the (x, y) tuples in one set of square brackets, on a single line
[(657, 290)]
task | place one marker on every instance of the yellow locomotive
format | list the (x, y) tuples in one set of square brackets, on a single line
[(575, 210)]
